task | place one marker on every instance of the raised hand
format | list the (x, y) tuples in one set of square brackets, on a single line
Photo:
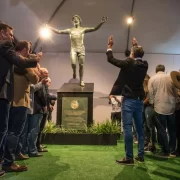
[(110, 41), (104, 19), (134, 42)]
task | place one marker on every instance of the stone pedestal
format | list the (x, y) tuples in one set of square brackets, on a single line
[(75, 105)]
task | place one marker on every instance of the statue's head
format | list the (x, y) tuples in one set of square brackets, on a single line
[(76, 20)]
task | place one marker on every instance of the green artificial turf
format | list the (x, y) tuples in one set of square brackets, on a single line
[(94, 163)]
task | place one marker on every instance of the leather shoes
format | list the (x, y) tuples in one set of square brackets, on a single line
[(42, 150), (2, 173), (14, 168), (35, 155), (21, 157)]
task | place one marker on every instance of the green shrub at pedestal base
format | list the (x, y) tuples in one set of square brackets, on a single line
[(100, 134)]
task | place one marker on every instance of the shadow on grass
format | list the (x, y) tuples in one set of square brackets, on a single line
[(154, 157), (46, 167), (137, 171), (133, 172), (167, 176), (170, 169)]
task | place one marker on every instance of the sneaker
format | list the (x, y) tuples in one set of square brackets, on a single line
[(125, 161), (173, 154), (43, 146), (42, 150), (147, 149), (2, 173), (139, 159), (162, 155)]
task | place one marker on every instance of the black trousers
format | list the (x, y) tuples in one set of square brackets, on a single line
[(166, 121), (177, 116), (42, 125), (4, 120), (116, 117)]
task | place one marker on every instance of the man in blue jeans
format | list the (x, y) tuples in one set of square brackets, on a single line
[(9, 58), (129, 84), (24, 146), (19, 106)]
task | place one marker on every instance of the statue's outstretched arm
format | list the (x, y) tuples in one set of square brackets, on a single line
[(66, 31), (104, 19)]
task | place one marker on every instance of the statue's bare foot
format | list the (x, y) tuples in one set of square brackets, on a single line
[(82, 84), (74, 75)]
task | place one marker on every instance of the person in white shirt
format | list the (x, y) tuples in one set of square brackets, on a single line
[(116, 108), (163, 96)]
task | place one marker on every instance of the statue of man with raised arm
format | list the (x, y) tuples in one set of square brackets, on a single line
[(76, 34)]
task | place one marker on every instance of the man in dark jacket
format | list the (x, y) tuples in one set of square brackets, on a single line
[(129, 84), (50, 97), (8, 59)]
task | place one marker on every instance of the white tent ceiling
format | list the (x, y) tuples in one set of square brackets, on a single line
[(156, 25)]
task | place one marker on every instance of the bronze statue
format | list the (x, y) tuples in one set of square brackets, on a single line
[(76, 34)]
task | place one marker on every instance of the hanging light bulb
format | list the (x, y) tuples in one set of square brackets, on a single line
[(129, 20), (45, 33)]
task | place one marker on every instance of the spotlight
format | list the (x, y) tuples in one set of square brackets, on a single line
[(129, 20), (45, 33)]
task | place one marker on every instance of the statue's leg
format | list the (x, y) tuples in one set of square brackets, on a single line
[(81, 69), (73, 62)]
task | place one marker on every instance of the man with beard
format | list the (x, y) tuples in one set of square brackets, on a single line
[(9, 58)]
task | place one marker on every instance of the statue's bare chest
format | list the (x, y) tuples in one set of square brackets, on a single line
[(77, 32)]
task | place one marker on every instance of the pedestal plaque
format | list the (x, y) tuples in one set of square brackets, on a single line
[(75, 105)]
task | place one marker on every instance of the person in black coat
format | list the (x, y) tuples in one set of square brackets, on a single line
[(8, 59), (129, 84)]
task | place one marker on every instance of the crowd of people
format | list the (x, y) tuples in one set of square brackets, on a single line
[(25, 101), (148, 105)]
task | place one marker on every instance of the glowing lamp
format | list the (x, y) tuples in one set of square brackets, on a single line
[(45, 33), (129, 20)]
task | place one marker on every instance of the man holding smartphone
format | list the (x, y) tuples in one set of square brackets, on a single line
[(129, 84)]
